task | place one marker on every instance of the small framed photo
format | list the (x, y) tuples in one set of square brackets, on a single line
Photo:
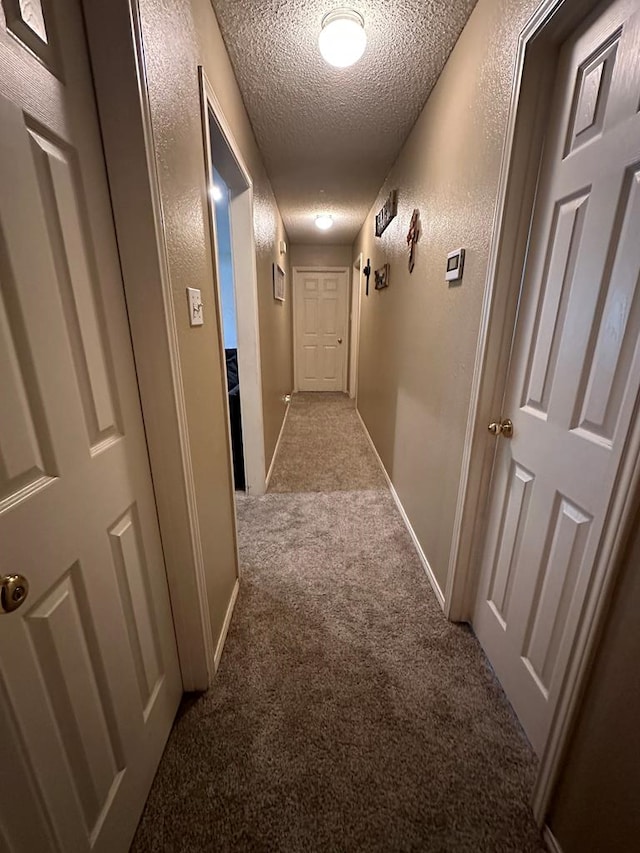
[(382, 277), (278, 283)]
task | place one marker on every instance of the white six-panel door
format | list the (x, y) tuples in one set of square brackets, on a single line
[(321, 328), (575, 371), (89, 680)]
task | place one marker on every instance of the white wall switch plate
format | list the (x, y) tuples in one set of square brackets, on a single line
[(196, 311)]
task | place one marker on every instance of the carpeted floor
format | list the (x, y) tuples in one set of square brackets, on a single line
[(323, 448), (348, 714)]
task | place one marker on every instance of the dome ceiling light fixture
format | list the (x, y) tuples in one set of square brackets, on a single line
[(324, 221), (342, 39)]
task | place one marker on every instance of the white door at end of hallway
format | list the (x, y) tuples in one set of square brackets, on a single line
[(574, 376), (321, 329), (89, 677)]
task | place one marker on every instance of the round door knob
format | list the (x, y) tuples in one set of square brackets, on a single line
[(504, 427), (13, 592), (339, 340)]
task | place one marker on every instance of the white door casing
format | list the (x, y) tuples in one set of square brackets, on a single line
[(238, 178), (575, 372), (89, 679), (354, 326), (321, 328)]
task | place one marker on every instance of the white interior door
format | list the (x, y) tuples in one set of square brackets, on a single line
[(89, 679), (575, 372), (321, 320)]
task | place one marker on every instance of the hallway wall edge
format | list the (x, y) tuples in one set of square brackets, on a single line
[(277, 447), (416, 542)]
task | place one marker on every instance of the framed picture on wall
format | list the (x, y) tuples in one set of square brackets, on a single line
[(278, 283), (382, 277)]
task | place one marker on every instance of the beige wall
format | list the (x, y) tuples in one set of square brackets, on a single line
[(179, 36), (319, 255), (275, 317), (596, 806), (418, 337)]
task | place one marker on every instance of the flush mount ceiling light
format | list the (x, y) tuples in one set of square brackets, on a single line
[(324, 221), (342, 39)]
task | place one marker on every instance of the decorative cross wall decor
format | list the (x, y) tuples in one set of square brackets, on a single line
[(412, 237), (367, 272)]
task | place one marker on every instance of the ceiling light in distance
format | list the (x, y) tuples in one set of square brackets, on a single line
[(342, 39), (324, 221), (216, 192)]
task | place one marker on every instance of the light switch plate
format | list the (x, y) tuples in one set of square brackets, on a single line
[(196, 311)]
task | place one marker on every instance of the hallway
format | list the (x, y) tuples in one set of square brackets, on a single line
[(347, 713)]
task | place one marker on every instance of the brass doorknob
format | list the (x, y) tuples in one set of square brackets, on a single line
[(504, 427), (339, 340), (13, 592)]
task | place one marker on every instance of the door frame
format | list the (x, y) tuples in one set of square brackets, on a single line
[(116, 54), (245, 288), (529, 111), (354, 326), (297, 271)]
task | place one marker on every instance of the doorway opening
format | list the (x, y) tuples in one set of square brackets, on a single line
[(226, 283), (232, 239)]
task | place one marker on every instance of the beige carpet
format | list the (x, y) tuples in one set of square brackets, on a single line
[(322, 448), (348, 714)]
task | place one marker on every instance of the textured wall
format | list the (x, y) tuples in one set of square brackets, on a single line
[(319, 255), (418, 337), (274, 317), (178, 36)]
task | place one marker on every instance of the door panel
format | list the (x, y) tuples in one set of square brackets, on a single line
[(564, 245), (321, 330), (137, 604), (58, 178), (512, 524), (88, 666), (563, 558), (59, 627), (575, 371), (616, 329)]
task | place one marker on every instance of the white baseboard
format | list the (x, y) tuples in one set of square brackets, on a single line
[(550, 840), (225, 626), (423, 559), (277, 447)]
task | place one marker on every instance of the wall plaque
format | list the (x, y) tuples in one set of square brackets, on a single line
[(387, 214)]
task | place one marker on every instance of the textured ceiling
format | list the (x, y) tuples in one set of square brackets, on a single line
[(329, 136)]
